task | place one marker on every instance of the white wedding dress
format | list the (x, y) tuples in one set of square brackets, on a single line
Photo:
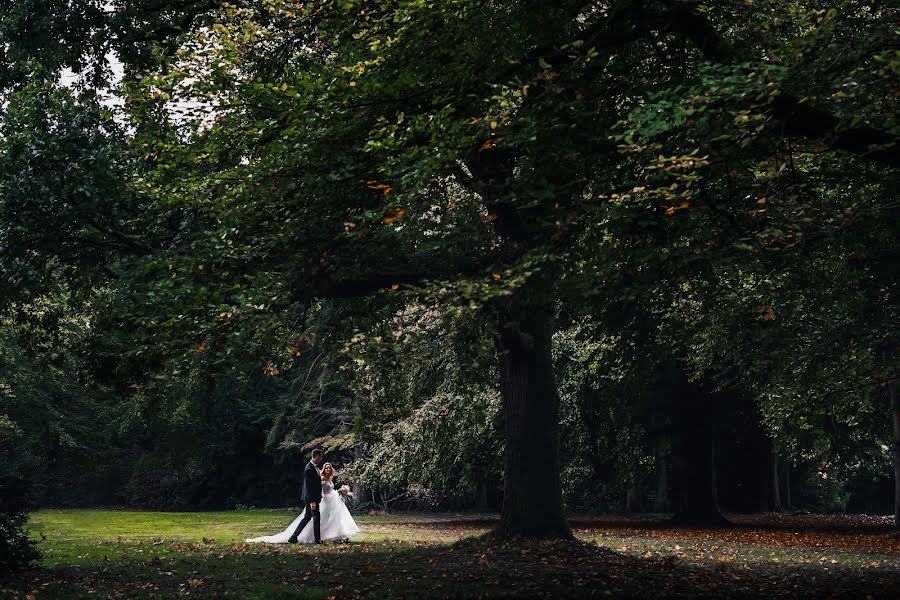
[(335, 521)]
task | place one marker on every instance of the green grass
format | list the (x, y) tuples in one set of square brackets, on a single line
[(74, 533), (88, 525), (110, 553)]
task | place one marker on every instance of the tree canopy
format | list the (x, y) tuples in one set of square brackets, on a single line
[(705, 190)]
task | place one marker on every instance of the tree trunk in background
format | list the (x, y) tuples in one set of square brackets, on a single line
[(481, 496), (361, 492), (743, 454), (787, 485), (776, 485), (697, 480), (634, 499), (895, 413), (895, 409), (661, 501), (634, 495), (532, 490)]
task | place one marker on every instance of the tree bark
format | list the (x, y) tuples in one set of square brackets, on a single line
[(532, 490)]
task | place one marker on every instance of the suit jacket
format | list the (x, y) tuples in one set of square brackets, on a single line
[(312, 485)]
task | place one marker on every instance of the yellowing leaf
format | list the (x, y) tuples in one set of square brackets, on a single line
[(488, 144), (374, 185), (271, 370), (671, 210), (393, 216)]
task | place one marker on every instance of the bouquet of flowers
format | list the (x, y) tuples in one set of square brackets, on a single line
[(345, 492)]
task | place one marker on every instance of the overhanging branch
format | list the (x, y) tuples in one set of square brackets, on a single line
[(795, 118), (323, 285), (320, 283)]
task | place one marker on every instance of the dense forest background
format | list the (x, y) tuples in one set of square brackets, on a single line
[(635, 255), (419, 426)]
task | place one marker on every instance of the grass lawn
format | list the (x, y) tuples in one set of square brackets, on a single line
[(109, 553)]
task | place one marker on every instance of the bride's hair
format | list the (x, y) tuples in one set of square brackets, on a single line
[(328, 466)]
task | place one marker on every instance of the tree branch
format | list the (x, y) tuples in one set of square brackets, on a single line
[(323, 285), (795, 118), (319, 283)]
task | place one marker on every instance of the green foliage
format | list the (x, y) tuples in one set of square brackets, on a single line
[(708, 188), (17, 550), (603, 414), (429, 411)]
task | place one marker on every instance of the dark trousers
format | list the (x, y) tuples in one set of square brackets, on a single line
[(310, 514)]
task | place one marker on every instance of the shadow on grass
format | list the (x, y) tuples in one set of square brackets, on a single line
[(811, 523), (648, 521)]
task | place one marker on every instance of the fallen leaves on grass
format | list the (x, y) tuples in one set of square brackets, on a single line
[(869, 543), (645, 558)]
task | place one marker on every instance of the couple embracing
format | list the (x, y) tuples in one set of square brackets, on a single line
[(325, 517)]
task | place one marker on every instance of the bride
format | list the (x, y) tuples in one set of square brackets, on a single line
[(336, 522)]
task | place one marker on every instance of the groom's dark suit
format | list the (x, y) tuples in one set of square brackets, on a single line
[(312, 492)]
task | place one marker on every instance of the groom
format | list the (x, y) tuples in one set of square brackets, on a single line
[(311, 497)]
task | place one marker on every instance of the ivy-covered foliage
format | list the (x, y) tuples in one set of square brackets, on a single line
[(428, 416)]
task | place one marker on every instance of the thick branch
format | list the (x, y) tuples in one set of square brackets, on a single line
[(607, 33), (319, 283), (798, 119), (795, 118), (132, 245), (323, 285)]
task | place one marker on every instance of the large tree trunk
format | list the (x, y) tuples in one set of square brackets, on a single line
[(532, 491)]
